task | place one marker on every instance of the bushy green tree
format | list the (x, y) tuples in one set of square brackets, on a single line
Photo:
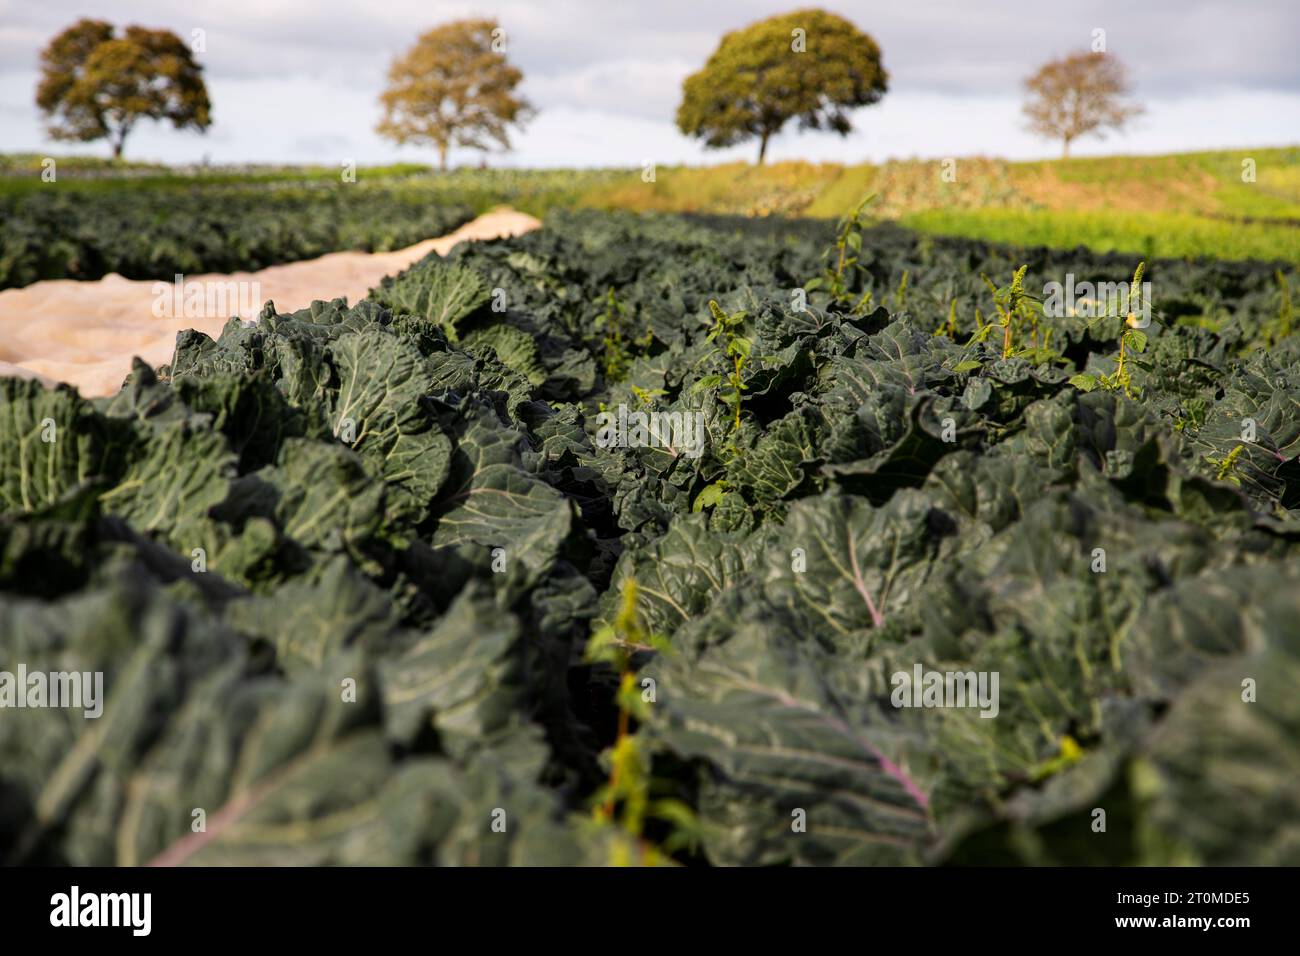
[(809, 65), (96, 85)]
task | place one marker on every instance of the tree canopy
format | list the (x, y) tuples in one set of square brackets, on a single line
[(809, 65), (1077, 95), (97, 85), (455, 87)]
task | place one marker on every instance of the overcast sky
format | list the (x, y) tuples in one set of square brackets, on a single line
[(298, 80)]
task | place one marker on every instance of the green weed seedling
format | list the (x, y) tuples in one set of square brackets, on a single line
[(1226, 467), (647, 396), (1070, 754), (1280, 328), (846, 252), (1131, 340), (949, 326), (1195, 411), (1016, 309), (627, 799), (727, 328), (900, 295), (617, 341), (1018, 321)]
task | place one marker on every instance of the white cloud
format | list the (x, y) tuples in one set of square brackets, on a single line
[(648, 89)]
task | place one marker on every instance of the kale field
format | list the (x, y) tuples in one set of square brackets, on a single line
[(650, 539), (151, 233)]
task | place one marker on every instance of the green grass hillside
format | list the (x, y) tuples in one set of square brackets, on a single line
[(1186, 204)]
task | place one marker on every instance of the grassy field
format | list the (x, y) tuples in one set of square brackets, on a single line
[(1187, 204), (1149, 234)]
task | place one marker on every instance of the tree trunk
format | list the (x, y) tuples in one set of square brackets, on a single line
[(117, 133), (442, 156), (1065, 153), (762, 148)]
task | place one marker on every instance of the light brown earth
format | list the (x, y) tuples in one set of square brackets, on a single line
[(86, 333), (1192, 192)]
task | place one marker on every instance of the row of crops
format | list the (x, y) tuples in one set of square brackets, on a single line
[(146, 223), (610, 543), (143, 233)]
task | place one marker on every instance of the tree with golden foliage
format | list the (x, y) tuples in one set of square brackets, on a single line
[(1077, 95), (809, 65), (96, 85), (454, 88)]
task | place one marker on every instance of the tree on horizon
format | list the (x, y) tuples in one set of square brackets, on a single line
[(97, 85), (1079, 95), (454, 87), (810, 65)]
